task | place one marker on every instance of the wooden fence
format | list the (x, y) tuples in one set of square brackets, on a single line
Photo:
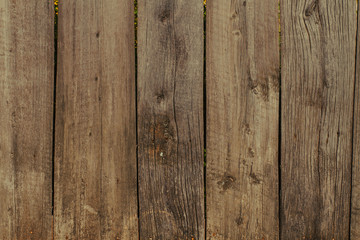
[(243, 133)]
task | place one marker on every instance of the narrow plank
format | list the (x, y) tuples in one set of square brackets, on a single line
[(170, 119), (95, 161), (355, 188), (242, 85), (318, 59), (26, 107)]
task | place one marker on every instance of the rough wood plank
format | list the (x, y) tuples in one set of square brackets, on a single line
[(26, 113), (170, 119), (355, 188), (318, 59), (95, 171), (242, 119)]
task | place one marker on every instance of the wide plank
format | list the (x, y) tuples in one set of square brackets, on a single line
[(317, 86), (95, 148), (170, 119), (26, 118), (242, 90)]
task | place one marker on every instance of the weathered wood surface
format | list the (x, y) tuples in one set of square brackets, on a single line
[(26, 105), (318, 59), (355, 188), (242, 64), (170, 119), (95, 161)]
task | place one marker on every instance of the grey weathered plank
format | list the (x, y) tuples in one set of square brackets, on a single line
[(95, 161), (318, 59), (355, 188), (170, 119), (26, 107), (242, 64)]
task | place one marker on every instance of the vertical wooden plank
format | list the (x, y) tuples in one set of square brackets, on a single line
[(242, 64), (355, 188), (318, 59), (95, 171), (170, 119), (26, 107)]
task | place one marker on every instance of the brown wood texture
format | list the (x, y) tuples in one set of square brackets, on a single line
[(317, 85), (26, 113), (95, 134), (355, 188), (170, 119), (242, 84)]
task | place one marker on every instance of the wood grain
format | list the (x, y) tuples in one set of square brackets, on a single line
[(95, 162), (242, 85), (318, 47), (355, 188), (170, 119), (26, 107)]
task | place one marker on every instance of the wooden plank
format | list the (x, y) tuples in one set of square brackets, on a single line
[(355, 188), (26, 107), (242, 85), (170, 119), (318, 59), (95, 162)]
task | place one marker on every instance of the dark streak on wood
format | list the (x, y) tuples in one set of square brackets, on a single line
[(355, 188)]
